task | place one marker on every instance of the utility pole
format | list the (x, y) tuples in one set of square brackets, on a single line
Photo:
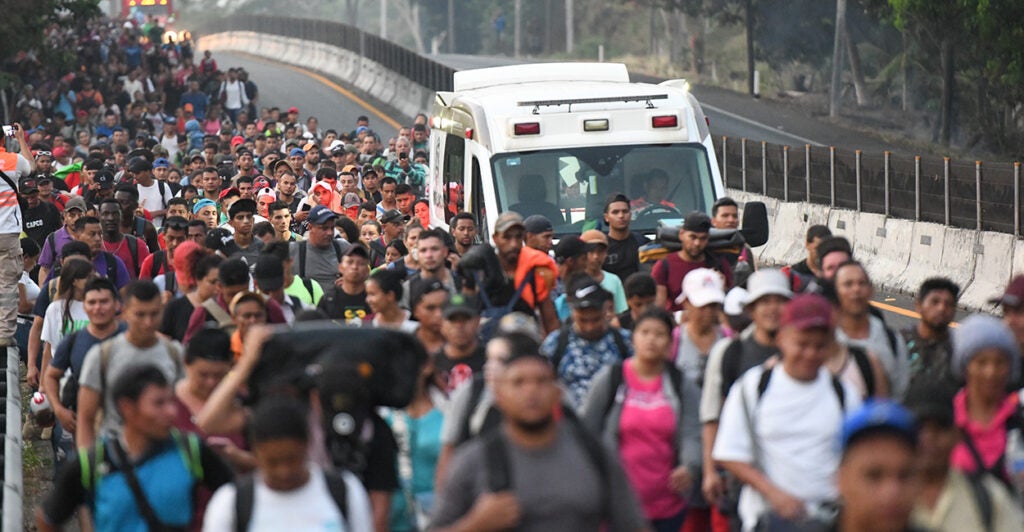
[(516, 27), (750, 47), (569, 38), (837, 60), (451, 26), (383, 19)]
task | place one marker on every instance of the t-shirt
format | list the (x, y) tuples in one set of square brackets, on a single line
[(321, 263), (878, 344), (797, 425), (583, 359), (71, 356), (670, 271), (624, 255), (752, 354), (41, 220), (167, 356), (123, 276), (299, 289), (558, 487), (176, 315), (151, 199), (249, 253), (54, 326), (51, 254), (456, 372), (340, 305), (647, 432), (123, 251), (309, 507), (424, 437)]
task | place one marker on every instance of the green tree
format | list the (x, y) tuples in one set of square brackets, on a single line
[(24, 21)]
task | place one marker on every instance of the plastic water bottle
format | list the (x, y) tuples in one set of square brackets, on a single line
[(41, 409), (1015, 459)]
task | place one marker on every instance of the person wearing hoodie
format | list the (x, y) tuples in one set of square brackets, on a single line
[(195, 135)]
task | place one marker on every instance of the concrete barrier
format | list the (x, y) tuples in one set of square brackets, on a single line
[(785, 242), (892, 253), (958, 256), (993, 267), (925, 252), (868, 238)]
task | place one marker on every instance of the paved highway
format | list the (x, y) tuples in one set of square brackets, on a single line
[(337, 107)]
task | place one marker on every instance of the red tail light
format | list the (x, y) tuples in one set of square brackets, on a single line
[(665, 121), (469, 133), (527, 128)]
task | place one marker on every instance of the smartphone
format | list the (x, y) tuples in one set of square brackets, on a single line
[(9, 131), (403, 155)]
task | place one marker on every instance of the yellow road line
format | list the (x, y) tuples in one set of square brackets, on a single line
[(903, 312), (337, 88)]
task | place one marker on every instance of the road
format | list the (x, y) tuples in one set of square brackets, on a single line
[(336, 107)]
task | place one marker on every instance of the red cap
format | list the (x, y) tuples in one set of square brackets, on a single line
[(60, 151), (228, 191), (1013, 296), (293, 109), (236, 140), (82, 112), (808, 311)]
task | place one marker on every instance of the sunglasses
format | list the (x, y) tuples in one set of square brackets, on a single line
[(43, 154)]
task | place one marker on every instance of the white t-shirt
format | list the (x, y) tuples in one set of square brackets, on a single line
[(151, 200), (896, 364), (309, 508), (797, 424), (31, 288), (53, 322), (10, 215), (170, 143)]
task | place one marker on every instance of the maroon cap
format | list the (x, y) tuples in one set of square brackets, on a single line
[(1013, 296), (808, 311)]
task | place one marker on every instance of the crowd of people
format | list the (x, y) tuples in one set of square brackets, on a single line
[(161, 228)]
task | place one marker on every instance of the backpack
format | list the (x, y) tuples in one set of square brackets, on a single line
[(92, 468), (133, 248), (160, 261), (766, 377), (491, 420), (108, 258), (302, 256), (562, 344), (867, 372), (222, 317), (245, 496), (492, 313), (618, 381), (998, 469)]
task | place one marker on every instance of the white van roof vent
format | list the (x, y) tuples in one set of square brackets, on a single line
[(540, 72)]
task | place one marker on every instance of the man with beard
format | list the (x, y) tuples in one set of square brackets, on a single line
[(431, 255), (464, 230), (536, 473), (670, 271), (130, 250), (928, 343)]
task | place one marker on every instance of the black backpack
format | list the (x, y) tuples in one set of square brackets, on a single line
[(245, 495), (491, 420), (732, 368), (618, 381), (563, 344), (108, 257), (160, 261)]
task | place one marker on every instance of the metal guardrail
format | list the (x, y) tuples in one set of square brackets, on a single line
[(971, 195), (398, 59), (13, 490)]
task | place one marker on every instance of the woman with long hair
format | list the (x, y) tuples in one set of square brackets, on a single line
[(383, 292), (636, 407), (66, 313), (196, 272)]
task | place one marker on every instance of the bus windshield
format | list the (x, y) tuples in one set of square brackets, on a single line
[(571, 185)]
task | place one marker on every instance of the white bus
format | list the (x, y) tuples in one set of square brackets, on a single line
[(557, 139)]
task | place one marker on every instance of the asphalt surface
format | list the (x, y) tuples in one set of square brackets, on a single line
[(337, 107)]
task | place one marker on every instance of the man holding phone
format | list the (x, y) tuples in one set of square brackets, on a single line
[(13, 167), (403, 170)]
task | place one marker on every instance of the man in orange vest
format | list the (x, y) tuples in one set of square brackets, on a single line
[(523, 264), (13, 166)]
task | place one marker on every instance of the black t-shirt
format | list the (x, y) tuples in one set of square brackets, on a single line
[(802, 268), (176, 316), (339, 305), (624, 255), (455, 372), (41, 220), (626, 320)]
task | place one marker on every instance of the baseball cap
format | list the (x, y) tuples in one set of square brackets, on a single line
[(228, 192), (236, 140), (360, 129), (310, 146), (357, 249), (350, 169), (593, 238), (697, 222), (584, 293), (321, 215), (242, 205), (507, 221), (264, 192), (293, 109), (418, 288), (269, 272), (767, 282), (702, 287), (461, 305), (161, 162), (1013, 296), (393, 215), (876, 416), (351, 148), (170, 120), (201, 204), (105, 179), (297, 151), (28, 185), (808, 311), (569, 247), (537, 223), (188, 108), (351, 199), (76, 202), (735, 300), (335, 144), (217, 238)]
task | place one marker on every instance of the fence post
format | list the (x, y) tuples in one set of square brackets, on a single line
[(807, 174), (832, 175), (743, 162), (856, 176), (886, 166), (945, 192), (764, 167), (785, 173), (1016, 199), (917, 188), (725, 162), (977, 195)]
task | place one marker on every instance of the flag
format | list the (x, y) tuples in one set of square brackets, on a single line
[(70, 175)]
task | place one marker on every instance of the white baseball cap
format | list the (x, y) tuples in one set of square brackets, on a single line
[(767, 282), (735, 300), (702, 287)]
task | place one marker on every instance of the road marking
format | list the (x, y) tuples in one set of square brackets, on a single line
[(903, 312), (757, 124), (337, 88)]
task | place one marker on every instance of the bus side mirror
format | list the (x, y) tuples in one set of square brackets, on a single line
[(755, 224)]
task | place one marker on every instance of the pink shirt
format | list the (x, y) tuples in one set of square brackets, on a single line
[(989, 439), (647, 428)]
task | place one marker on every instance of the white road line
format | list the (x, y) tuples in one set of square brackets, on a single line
[(757, 124)]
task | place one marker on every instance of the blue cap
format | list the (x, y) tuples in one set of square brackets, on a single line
[(881, 415), (170, 120), (296, 151), (360, 129), (161, 162), (320, 215), (201, 204)]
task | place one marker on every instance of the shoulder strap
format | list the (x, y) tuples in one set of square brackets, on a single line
[(219, 314), (867, 372), (302, 259), (617, 382), (892, 341), (89, 465), (620, 343), (140, 226), (159, 258), (191, 454), (111, 261), (982, 499), (133, 249), (51, 240), (496, 459), (338, 490), (337, 248), (309, 287), (10, 182), (732, 362), (837, 385), (561, 346), (762, 385), (677, 380), (128, 471), (245, 494), (476, 391)]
